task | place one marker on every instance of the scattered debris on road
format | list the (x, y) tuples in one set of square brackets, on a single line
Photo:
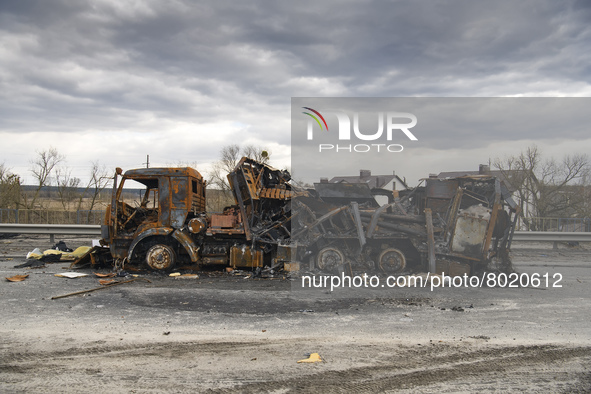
[(17, 278), (312, 358), (109, 275), (100, 288), (71, 275), (54, 255)]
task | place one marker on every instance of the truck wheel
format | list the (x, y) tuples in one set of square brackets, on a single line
[(392, 260), (329, 259), (161, 257)]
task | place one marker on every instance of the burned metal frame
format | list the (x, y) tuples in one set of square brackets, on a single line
[(465, 219), (427, 223)]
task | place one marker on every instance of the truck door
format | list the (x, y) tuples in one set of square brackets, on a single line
[(164, 201), (180, 201)]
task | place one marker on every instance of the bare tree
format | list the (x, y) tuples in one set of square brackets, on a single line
[(257, 153), (545, 187), (67, 186), (99, 179), (229, 158), (42, 168)]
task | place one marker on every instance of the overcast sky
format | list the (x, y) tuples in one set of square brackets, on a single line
[(441, 133), (115, 80)]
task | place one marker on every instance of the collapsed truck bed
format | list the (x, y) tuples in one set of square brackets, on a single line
[(463, 223)]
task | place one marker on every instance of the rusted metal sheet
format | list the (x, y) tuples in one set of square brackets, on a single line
[(441, 188), (188, 244), (164, 203), (430, 240), (223, 260), (180, 201), (291, 267), (278, 194), (244, 256), (285, 253), (223, 221)]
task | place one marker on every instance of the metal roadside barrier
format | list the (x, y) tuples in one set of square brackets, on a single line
[(51, 229), (95, 230), (553, 236)]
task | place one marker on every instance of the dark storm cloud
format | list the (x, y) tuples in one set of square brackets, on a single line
[(356, 40), (262, 48), (154, 66)]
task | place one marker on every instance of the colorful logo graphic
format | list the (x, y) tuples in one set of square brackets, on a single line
[(315, 118)]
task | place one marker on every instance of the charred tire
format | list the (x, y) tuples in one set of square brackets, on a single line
[(329, 259), (392, 260), (161, 257)]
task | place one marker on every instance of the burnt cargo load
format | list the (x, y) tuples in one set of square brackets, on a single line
[(452, 224)]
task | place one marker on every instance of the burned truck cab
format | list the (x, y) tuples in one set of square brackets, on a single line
[(164, 223), (168, 222)]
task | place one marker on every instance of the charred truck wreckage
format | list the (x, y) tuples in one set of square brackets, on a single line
[(459, 225)]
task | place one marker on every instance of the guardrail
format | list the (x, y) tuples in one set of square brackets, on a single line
[(92, 229), (51, 229), (554, 236), (551, 236)]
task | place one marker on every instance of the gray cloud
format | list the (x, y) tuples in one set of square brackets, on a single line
[(227, 70), (453, 133)]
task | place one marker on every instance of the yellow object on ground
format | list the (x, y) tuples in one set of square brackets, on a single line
[(65, 256), (314, 358)]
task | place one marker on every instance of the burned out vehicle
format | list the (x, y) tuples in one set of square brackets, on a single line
[(169, 226), (459, 224)]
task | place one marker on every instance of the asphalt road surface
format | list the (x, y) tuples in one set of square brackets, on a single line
[(232, 333)]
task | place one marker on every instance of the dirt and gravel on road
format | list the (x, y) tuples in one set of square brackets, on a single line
[(230, 333)]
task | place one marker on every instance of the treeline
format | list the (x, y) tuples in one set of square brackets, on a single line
[(55, 188), (548, 188)]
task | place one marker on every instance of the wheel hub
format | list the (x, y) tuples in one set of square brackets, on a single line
[(330, 258), (160, 257), (392, 260)]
